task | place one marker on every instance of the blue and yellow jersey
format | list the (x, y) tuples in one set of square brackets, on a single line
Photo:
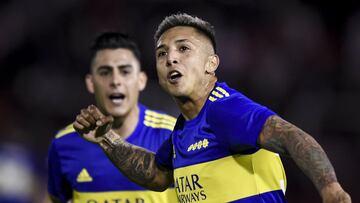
[(215, 156), (79, 170)]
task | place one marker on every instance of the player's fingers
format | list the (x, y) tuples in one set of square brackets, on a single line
[(80, 128), (104, 125), (77, 126), (81, 120), (95, 112), (106, 120), (87, 116)]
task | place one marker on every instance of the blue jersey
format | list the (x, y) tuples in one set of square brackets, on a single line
[(79, 170), (215, 156)]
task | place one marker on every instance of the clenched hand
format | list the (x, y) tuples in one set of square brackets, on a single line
[(91, 124)]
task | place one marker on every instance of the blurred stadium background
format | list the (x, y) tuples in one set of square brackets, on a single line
[(301, 58)]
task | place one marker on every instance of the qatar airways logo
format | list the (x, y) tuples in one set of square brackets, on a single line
[(189, 189)]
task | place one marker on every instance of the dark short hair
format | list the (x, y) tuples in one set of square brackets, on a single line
[(183, 19), (114, 40)]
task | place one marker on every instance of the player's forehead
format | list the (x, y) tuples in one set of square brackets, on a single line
[(181, 33), (119, 56)]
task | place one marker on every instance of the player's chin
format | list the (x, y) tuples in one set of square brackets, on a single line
[(178, 91), (118, 112)]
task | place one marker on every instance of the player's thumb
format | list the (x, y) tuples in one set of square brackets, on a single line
[(104, 124), (106, 120)]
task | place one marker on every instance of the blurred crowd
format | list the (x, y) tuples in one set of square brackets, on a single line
[(299, 58)]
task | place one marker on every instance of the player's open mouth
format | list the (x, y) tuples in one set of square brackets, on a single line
[(174, 76), (117, 98)]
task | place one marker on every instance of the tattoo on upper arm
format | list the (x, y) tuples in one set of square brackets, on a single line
[(283, 137), (272, 135)]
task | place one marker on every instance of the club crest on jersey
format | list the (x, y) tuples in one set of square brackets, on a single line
[(198, 145)]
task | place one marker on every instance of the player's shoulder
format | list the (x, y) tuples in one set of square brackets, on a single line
[(222, 93), (68, 130), (157, 119), (223, 100)]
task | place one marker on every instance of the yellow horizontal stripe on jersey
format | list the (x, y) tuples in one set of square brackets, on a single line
[(223, 91), (230, 178), (217, 94), (68, 129), (211, 98), (157, 120), (142, 196), (159, 115), (158, 125)]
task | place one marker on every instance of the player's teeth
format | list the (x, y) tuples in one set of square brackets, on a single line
[(116, 100)]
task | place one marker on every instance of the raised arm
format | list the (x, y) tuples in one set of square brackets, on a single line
[(285, 138), (134, 162)]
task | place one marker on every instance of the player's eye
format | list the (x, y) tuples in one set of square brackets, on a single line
[(183, 48), (126, 71), (161, 53), (104, 72)]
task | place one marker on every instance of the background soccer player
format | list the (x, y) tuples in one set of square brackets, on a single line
[(213, 154), (79, 170)]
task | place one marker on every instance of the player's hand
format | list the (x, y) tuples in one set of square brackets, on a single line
[(91, 124), (335, 194)]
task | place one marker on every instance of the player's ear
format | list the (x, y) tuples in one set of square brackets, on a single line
[(212, 63), (142, 80), (89, 83)]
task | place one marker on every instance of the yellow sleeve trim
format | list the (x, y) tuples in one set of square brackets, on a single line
[(159, 115), (211, 98), (223, 91), (158, 120), (217, 94), (220, 93), (159, 125), (68, 129)]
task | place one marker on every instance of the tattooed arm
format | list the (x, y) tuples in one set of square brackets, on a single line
[(134, 162), (285, 138)]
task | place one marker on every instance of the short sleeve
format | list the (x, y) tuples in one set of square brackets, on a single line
[(164, 154), (237, 122), (57, 184)]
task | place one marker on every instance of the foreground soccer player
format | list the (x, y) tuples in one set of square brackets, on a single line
[(79, 170), (218, 151)]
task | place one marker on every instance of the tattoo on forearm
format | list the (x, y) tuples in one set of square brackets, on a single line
[(137, 163), (284, 138)]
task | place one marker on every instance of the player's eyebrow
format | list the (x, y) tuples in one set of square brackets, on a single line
[(160, 46), (103, 67), (125, 66), (181, 40), (176, 42)]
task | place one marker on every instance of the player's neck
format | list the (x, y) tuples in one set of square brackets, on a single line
[(191, 106), (125, 126)]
